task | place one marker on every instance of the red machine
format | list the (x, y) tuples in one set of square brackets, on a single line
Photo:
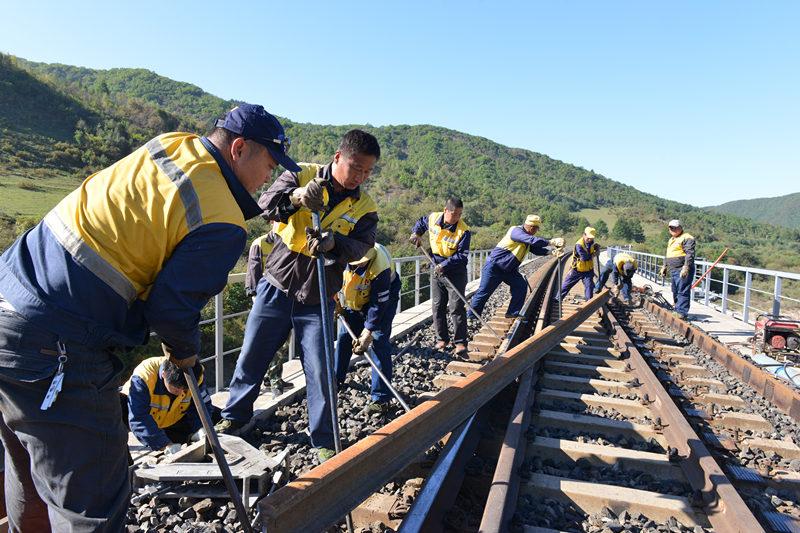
[(776, 334)]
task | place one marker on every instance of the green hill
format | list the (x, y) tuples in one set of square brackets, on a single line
[(98, 116), (779, 210)]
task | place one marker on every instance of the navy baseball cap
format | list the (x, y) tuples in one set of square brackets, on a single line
[(253, 122)]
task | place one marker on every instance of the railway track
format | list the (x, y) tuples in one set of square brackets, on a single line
[(602, 419)]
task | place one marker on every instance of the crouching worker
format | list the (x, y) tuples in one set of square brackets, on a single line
[(160, 410), (504, 262), (621, 269), (369, 296)]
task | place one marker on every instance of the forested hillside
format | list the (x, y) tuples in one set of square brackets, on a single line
[(780, 210), (94, 117)]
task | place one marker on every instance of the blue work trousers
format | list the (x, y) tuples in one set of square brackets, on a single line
[(616, 278), (66, 467), (273, 315), (491, 278), (573, 277), (682, 290)]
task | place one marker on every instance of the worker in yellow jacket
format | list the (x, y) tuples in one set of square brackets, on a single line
[(679, 267), (620, 267), (449, 238), (160, 410), (583, 255), (141, 245)]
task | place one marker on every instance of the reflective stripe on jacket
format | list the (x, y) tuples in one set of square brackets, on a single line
[(357, 284), (123, 222), (341, 218), (444, 242), (584, 265)]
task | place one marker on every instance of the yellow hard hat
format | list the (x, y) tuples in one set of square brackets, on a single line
[(590, 232), (533, 220)]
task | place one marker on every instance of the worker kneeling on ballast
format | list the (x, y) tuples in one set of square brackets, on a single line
[(158, 404), (368, 303), (621, 269), (504, 261)]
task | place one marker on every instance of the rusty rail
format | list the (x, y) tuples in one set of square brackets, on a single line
[(322, 496), (502, 498), (725, 508), (783, 396)]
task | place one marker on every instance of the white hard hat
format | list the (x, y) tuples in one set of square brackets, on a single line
[(675, 223)]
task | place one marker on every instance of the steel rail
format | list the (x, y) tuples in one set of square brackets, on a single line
[(332, 489), (725, 508), (442, 485), (782, 395), (503, 492)]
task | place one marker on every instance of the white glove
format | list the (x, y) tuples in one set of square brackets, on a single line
[(415, 239), (557, 242), (173, 448), (685, 271), (363, 342), (198, 435)]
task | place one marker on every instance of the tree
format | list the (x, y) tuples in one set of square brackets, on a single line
[(601, 227), (628, 229)]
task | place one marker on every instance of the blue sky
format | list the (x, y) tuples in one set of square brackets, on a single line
[(694, 101)]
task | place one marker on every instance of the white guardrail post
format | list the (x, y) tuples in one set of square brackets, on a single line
[(725, 276), (776, 297), (219, 337)]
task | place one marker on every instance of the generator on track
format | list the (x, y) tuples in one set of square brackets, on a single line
[(777, 334)]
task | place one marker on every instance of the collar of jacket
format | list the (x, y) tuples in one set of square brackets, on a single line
[(450, 227), (243, 198), (326, 173)]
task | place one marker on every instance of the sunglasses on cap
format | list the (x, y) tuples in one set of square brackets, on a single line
[(283, 141)]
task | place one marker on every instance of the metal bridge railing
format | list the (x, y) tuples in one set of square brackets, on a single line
[(717, 288), (413, 268)]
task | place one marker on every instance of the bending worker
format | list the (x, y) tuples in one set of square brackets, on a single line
[(143, 244), (504, 261), (160, 410), (582, 265), (259, 250), (368, 299), (679, 263), (289, 297), (621, 267), (449, 238)]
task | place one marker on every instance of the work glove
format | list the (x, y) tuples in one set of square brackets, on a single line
[(338, 310), (685, 271), (557, 242), (438, 270), (173, 448), (319, 241), (663, 271), (363, 342), (312, 196), (415, 239), (198, 435)]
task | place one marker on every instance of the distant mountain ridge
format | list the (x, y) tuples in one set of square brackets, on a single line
[(114, 111), (777, 210)]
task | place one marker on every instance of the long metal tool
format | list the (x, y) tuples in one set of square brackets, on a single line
[(696, 283), (369, 355), (560, 281), (327, 333), (461, 296), (219, 453)]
